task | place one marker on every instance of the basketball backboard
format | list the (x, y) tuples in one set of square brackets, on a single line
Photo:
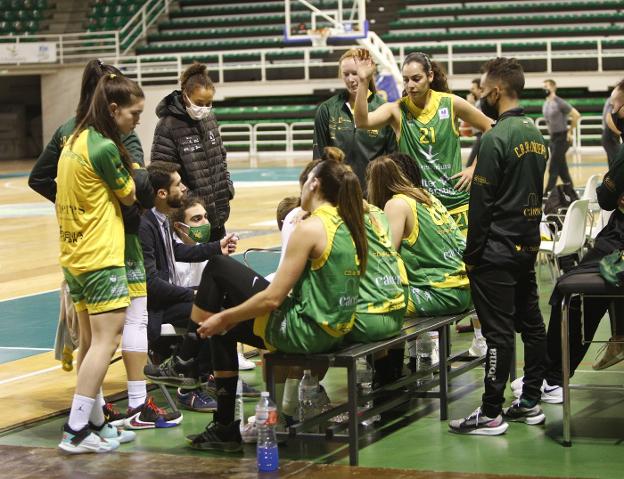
[(317, 20)]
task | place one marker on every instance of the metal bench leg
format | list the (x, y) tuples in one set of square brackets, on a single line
[(443, 334), (354, 442), (565, 366), (168, 398), (270, 376)]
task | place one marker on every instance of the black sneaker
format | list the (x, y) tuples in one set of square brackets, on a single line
[(112, 416), (217, 437), (250, 391), (174, 372), (519, 411), (150, 416)]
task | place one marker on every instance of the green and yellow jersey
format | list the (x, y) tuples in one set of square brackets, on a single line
[(431, 137), (432, 252), (91, 178), (321, 307)]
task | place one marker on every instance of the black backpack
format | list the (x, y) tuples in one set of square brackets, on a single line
[(561, 196)]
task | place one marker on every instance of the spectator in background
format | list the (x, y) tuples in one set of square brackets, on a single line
[(334, 124), (556, 112), (187, 134), (610, 139)]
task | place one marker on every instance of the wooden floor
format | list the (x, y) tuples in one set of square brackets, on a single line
[(35, 387)]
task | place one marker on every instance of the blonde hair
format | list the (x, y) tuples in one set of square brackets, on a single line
[(356, 53)]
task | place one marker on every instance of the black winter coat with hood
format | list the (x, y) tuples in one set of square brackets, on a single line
[(196, 146)]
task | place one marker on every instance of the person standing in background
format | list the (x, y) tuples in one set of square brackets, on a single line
[(334, 124), (187, 133), (610, 139), (556, 112), (475, 91)]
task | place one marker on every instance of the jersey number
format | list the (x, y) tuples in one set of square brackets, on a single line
[(427, 136), (439, 216)]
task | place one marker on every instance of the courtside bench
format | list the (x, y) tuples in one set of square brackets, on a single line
[(347, 358)]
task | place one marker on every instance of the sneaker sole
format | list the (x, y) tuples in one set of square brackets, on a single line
[(483, 431), (530, 420), (216, 446), (552, 399), (191, 408), (137, 426), (69, 449)]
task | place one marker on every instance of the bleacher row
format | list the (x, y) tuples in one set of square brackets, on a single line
[(21, 16)]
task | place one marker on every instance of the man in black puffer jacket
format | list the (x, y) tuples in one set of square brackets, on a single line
[(187, 133)]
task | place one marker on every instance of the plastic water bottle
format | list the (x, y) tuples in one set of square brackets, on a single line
[(266, 449), (364, 375), (308, 397)]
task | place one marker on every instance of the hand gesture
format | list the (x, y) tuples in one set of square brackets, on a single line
[(228, 244), (215, 324), (465, 178), (365, 65)]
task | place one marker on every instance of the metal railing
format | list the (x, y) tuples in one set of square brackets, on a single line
[(109, 44)]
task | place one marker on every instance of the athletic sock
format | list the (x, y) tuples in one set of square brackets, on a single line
[(477, 333), (226, 400), (97, 413), (137, 393), (291, 397), (80, 411)]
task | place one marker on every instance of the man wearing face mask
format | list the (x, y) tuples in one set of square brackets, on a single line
[(501, 246), (556, 112), (187, 134)]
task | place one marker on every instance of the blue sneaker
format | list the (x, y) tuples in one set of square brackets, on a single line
[(249, 391), (196, 400)]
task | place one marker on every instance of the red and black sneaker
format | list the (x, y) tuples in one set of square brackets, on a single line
[(112, 415), (150, 416)]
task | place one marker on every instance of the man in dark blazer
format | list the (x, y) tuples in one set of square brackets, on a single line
[(168, 302)]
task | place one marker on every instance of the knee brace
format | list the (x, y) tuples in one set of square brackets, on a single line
[(134, 338)]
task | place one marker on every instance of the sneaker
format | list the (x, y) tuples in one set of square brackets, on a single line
[(550, 394), (112, 415), (613, 354), (249, 432), (196, 400), (519, 412), (108, 431), (479, 424), (250, 391), (149, 416), (174, 372), (84, 441), (478, 348), (218, 437), (245, 364), (209, 386)]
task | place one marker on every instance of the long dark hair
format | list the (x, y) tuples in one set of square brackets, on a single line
[(385, 179), (408, 167), (93, 71), (439, 82), (341, 187), (110, 89)]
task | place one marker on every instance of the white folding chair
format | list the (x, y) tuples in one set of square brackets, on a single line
[(570, 239)]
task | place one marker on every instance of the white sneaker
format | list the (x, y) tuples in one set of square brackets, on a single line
[(550, 394), (245, 364), (249, 432), (108, 431), (478, 348), (84, 441)]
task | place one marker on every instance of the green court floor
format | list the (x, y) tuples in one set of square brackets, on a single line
[(415, 438)]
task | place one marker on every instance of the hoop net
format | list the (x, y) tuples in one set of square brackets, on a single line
[(319, 36)]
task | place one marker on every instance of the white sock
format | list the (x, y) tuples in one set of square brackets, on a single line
[(97, 413), (80, 411), (477, 333), (291, 397), (137, 393)]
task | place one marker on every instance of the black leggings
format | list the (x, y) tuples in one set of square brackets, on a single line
[(226, 283)]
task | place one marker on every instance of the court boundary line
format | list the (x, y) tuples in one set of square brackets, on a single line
[(29, 295), (26, 348)]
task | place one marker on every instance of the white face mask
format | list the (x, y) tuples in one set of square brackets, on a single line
[(197, 112)]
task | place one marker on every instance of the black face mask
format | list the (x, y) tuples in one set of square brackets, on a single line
[(487, 109), (546, 92), (619, 123)]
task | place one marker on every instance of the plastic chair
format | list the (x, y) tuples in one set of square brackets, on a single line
[(570, 240)]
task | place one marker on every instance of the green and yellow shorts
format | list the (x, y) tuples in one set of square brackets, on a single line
[(460, 216), (438, 301), (99, 291), (135, 268)]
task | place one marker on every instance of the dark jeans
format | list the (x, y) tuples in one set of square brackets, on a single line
[(558, 164), (611, 144), (507, 301), (593, 311)]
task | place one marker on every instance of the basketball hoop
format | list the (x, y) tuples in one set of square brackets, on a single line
[(319, 36)]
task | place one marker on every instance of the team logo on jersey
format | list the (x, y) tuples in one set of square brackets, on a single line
[(443, 113)]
